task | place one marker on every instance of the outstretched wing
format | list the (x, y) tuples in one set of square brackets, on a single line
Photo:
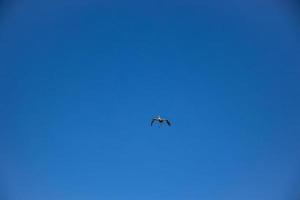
[(168, 122), (153, 120)]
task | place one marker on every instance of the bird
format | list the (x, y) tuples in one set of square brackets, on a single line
[(160, 120)]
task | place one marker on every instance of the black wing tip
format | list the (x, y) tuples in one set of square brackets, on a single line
[(152, 121), (168, 122)]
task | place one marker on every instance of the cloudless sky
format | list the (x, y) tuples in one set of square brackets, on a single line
[(81, 80)]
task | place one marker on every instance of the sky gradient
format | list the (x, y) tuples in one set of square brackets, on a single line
[(81, 80)]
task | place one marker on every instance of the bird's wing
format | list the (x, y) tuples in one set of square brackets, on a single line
[(153, 120), (168, 122)]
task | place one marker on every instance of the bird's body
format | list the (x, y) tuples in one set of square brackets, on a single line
[(160, 120)]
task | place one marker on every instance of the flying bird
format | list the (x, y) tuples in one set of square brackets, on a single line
[(160, 120)]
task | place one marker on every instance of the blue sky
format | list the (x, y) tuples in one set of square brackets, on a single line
[(80, 82)]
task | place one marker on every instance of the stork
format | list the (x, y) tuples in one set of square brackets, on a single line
[(160, 120)]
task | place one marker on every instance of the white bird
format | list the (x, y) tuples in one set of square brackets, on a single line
[(160, 120)]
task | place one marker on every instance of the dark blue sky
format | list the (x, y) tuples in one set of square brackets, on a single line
[(80, 81)]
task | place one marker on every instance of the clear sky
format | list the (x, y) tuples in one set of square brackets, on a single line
[(81, 80)]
